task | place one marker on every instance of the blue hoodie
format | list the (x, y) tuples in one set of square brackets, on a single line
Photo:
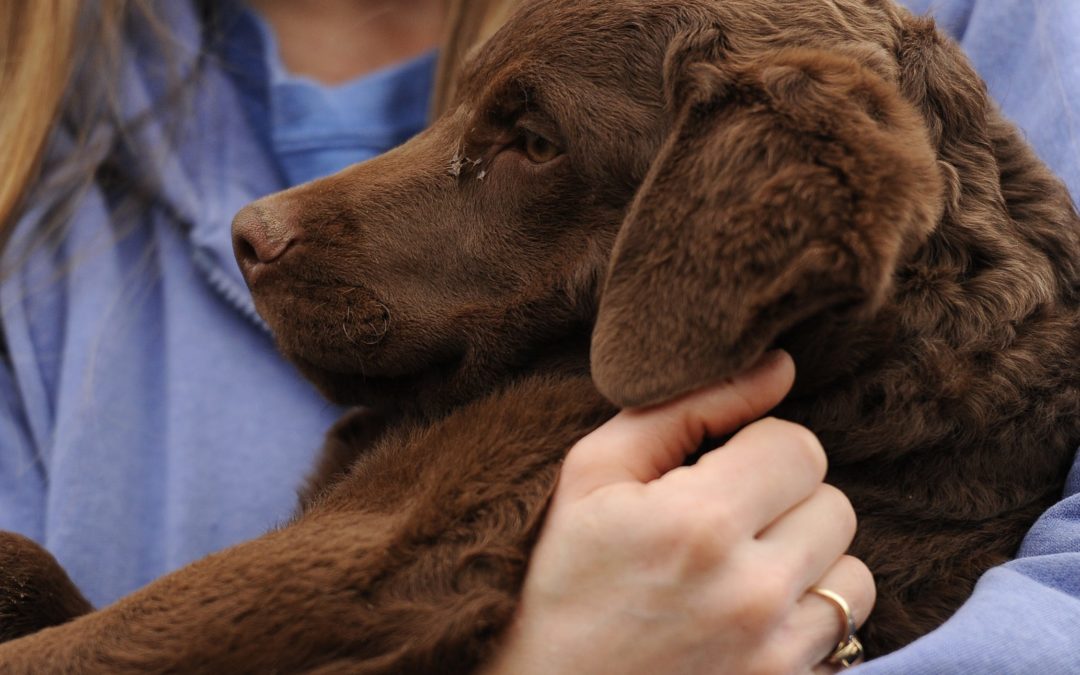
[(147, 420)]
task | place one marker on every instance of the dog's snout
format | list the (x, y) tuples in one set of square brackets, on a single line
[(261, 234)]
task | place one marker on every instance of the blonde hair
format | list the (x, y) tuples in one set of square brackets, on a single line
[(36, 45), (45, 46)]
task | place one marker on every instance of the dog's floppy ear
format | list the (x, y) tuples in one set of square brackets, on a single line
[(790, 184)]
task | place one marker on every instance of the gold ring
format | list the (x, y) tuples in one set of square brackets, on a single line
[(849, 651)]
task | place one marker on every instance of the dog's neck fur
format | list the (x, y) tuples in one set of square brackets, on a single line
[(566, 355)]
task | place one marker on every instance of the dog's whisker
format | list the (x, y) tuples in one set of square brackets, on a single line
[(345, 325), (383, 330), (345, 330)]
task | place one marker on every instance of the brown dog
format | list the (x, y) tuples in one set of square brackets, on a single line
[(685, 183)]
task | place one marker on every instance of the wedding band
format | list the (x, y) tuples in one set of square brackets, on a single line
[(849, 651)]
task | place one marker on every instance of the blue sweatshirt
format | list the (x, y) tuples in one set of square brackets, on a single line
[(147, 420)]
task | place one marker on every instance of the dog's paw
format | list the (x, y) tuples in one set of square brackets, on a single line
[(35, 592)]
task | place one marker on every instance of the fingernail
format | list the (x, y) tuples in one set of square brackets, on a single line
[(772, 359)]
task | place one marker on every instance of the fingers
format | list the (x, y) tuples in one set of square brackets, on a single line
[(761, 473), (642, 445), (811, 536), (818, 622)]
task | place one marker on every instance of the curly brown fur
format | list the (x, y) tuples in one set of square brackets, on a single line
[(829, 177)]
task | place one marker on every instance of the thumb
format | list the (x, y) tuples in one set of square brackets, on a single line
[(640, 445)]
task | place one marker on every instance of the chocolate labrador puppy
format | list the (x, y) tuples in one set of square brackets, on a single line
[(640, 197)]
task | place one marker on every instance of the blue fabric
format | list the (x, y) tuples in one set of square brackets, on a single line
[(316, 130), (146, 419)]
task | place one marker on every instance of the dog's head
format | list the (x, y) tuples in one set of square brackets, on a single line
[(693, 179)]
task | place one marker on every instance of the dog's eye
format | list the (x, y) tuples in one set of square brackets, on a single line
[(537, 148)]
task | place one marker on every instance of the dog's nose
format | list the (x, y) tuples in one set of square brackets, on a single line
[(260, 235)]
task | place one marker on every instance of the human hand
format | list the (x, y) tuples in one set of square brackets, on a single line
[(646, 566)]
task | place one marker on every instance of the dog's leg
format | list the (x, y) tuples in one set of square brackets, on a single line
[(412, 563), (35, 592)]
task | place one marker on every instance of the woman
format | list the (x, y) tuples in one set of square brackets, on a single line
[(147, 419)]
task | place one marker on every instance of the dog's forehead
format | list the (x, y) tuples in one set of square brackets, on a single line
[(601, 38), (593, 66), (553, 42)]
